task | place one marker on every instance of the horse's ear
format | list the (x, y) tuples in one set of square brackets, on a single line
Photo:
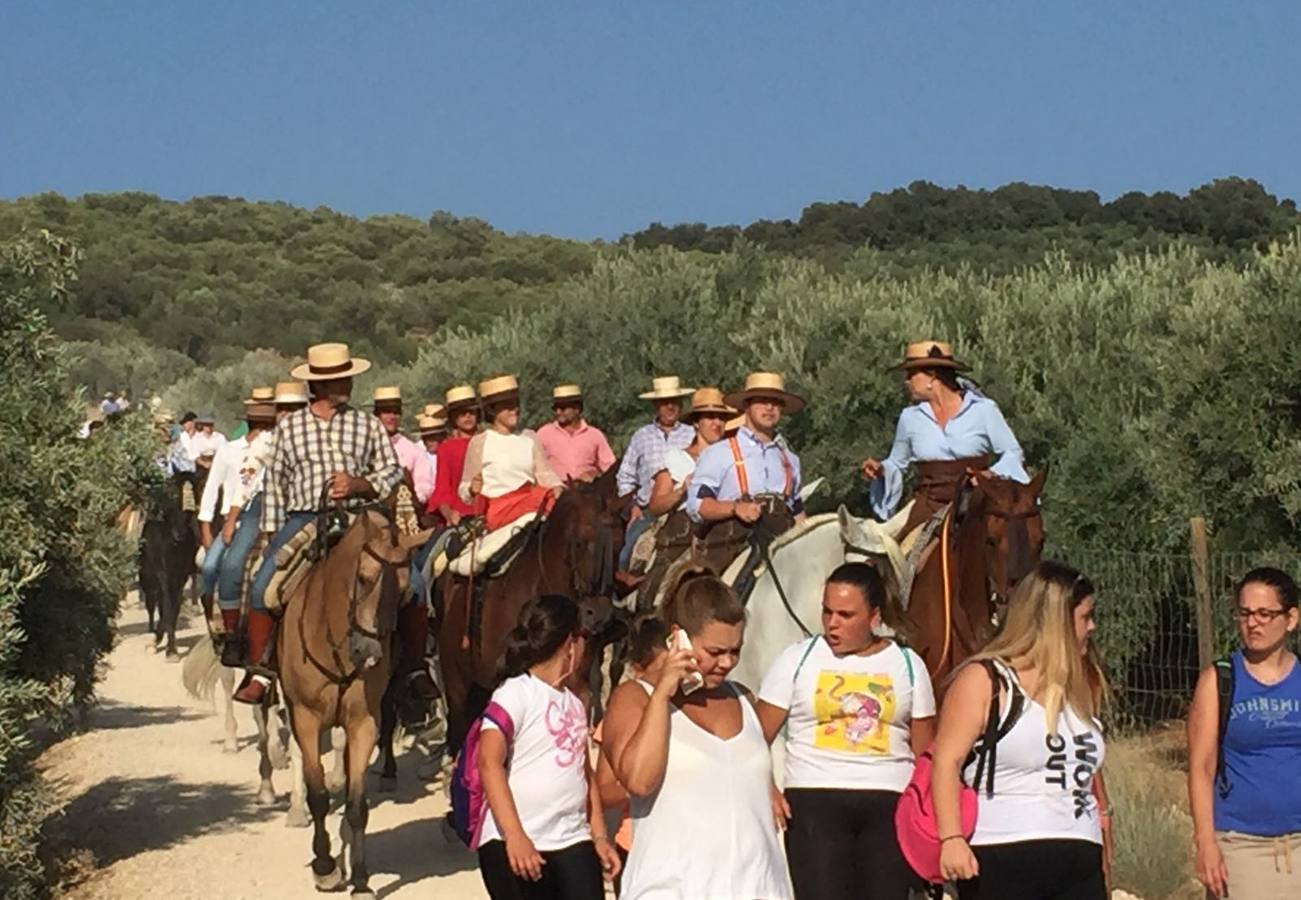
[(1039, 479)]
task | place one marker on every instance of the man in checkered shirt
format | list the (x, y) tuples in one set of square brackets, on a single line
[(329, 445)]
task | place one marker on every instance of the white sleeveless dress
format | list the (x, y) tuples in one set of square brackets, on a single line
[(708, 833)]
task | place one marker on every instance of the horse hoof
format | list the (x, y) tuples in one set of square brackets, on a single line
[(363, 894), (329, 882), (297, 818), (266, 797), (173, 656), (388, 784)]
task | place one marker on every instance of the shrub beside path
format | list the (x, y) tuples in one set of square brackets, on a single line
[(158, 810)]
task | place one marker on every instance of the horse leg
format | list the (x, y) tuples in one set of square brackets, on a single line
[(297, 817), (307, 733), (360, 744), (337, 781), (388, 721), (231, 743), (266, 794)]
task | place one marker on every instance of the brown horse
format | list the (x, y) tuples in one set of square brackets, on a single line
[(573, 552), (335, 653), (991, 538)]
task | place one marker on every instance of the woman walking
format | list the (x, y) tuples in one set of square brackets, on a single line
[(544, 836), (1244, 758), (857, 707), (1039, 836), (690, 751)]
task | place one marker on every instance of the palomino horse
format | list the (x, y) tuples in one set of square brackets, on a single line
[(335, 653), (169, 541), (573, 552)]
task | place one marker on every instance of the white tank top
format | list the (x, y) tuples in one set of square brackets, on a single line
[(708, 833), (1043, 782)]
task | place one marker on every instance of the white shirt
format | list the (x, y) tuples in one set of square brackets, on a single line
[(223, 476), (202, 444), (679, 464), (849, 717), (1043, 782), (547, 763), (252, 467)]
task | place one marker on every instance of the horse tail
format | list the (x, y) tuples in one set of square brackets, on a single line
[(201, 671)]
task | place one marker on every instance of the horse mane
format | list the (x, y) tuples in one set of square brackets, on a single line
[(794, 534)]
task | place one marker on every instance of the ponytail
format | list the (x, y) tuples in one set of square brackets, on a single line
[(545, 623), (696, 597)]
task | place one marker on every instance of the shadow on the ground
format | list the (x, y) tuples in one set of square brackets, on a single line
[(415, 851), (122, 817), (110, 716)]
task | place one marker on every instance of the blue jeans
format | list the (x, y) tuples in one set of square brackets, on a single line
[(630, 536), (230, 582), (212, 565), (294, 523)]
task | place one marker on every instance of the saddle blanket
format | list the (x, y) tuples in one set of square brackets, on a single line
[(475, 557)]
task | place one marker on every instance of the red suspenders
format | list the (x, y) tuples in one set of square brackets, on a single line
[(743, 482)]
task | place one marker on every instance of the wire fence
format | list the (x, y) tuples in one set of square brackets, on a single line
[(1149, 633)]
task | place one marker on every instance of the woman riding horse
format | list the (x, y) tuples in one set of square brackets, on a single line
[(950, 431)]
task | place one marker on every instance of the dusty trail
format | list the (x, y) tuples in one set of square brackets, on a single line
[(166, 814)]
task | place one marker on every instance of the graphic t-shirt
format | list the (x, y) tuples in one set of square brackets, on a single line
[(849, 716), (546, 765)]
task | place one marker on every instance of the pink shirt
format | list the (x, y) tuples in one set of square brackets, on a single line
[(412, 457), (578, 453)]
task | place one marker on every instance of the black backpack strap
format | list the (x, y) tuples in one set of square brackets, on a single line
[(985, 753), (1224, 685)]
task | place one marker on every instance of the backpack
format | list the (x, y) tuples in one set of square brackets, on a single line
[(469, 805), (1224, 686), (915, 824)]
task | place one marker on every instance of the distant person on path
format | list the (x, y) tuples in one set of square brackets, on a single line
[(576, 450), (206, 440), (1244, 757), (857, 708), (544, 836), (1040, 836), (951, 430), (690, 751)]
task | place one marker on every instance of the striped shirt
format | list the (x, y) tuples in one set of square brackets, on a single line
[(308, 451), (645, 457)]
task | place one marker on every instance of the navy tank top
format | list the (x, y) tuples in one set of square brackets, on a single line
[(1262, 756)]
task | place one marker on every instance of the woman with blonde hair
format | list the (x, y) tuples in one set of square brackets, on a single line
[(691, 753), (1039, 832)]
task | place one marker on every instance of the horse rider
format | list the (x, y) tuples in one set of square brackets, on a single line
[(223, 480), (504, 464), (462, 408), (710, 416), (432, 430), (576, 450), (329, 449), (733, 476), (645, 456), (388, 409), (205, 441), (950, 431)]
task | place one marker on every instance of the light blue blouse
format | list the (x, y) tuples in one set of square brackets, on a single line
[(977, 429)]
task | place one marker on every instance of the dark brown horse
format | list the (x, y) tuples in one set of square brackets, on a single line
[(991, 538), (169, 541), (573, 552), (335, 653)]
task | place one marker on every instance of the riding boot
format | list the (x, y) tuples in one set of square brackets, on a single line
[(413, 628), (232, 647), (260, 626)]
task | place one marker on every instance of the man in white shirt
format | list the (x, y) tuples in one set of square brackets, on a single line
[(206, 441)]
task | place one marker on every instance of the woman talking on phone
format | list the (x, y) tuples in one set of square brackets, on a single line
[(690, 751)]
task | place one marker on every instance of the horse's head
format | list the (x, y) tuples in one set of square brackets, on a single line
[(1014, 529), (588, 519), (372, 565)]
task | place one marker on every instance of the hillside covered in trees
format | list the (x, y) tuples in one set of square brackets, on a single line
[(173, 290)]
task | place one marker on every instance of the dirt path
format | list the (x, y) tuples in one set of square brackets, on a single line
[(166, 814)]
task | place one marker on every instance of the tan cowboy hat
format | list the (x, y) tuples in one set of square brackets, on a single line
[(765, 384), (566, 393), (929, 355), (290, 392), (434, 411), (388, 396), (502, 387), (164, 416), (431, 425), (261, 395), (709, 400), (460, 398), (259, 411), (326, 361), (205, 418), (669, 387)]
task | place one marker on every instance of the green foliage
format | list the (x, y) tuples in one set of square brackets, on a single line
[(63, 566)]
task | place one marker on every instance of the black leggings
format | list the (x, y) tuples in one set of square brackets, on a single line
[(841, 846), (573, 873), (1037, 870)]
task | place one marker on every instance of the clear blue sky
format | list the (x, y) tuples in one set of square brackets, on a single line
[(593, 119)]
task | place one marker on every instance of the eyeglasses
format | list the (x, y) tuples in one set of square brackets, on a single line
[(1263, 616)]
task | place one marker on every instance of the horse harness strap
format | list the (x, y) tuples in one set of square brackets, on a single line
[(743, 480)]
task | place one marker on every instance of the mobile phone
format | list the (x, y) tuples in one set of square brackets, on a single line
[(678, 640)]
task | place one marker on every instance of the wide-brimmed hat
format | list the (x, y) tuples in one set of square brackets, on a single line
[(461, 398), (733, 425), (259, 412), (495, 390), (566, 393), (434, 411), (290, 392), (765, 384), (261, 395), (205, 418), (667, 387), (389, 395), (431, 425), (709, 400), (327, 361), (929, 355)]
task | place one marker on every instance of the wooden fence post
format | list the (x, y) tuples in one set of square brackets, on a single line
[(1199, 549)]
